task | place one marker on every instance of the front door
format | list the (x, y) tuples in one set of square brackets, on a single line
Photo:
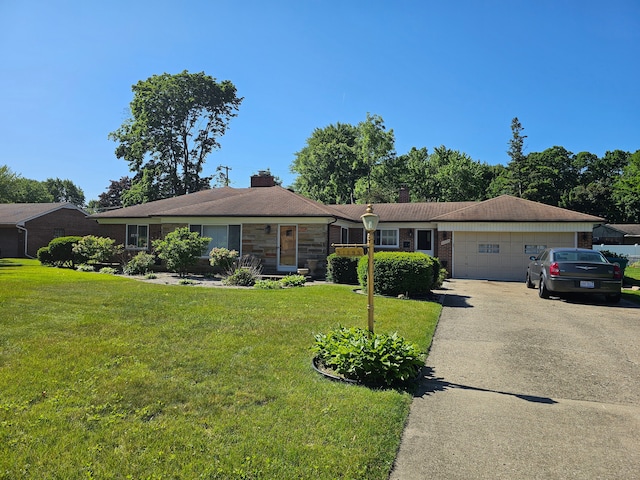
[(424, 242), (288, 248)]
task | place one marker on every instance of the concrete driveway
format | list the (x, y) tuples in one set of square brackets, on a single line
[(523, 388)]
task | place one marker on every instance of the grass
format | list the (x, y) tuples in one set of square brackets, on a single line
[(108, 377), (632, 277)]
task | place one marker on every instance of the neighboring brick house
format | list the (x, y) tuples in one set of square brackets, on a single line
[(25, 227), (617, 234), (492, 239)]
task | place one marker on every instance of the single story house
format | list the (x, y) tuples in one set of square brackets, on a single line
[(492, 239), (25, 227), (617, 234)]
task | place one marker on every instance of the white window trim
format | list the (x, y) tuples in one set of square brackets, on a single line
[(397, 235), (136, 247)]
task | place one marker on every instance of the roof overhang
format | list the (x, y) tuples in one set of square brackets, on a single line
[(516, 226)]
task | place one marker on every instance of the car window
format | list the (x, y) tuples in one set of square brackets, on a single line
[(543, 256)]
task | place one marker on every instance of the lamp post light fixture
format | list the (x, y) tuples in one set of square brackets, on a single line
[(370, 222)]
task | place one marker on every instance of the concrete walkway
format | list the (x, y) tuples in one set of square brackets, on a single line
[(523, 388)]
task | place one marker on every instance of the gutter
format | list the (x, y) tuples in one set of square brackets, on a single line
[(26, 238)]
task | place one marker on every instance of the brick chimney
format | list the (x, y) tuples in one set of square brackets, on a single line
[(403, 196), (263, 179)]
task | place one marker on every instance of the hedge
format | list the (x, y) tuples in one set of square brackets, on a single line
[(341, 269), (395, 273)]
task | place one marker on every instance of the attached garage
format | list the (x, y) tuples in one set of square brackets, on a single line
[(494, 239), (501, 255)]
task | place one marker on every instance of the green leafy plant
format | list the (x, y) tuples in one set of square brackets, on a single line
[(293, 281), (222, 259), (61, 250), (181, 249), (96, 249), (140, 264), (245, 273), (108, 270), (85, 268), (44, 256), (378, 360), (186, 281), (268, 284), (341, 269), (395, 273), (610, 254)]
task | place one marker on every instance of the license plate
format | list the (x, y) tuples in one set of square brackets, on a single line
[(586, 284)]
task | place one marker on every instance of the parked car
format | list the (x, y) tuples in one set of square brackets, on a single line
[(574, 270)]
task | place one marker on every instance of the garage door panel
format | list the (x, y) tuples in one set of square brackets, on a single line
[(511, 260)]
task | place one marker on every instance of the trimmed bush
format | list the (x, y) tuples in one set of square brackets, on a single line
[(342, 269), (222, 259), (395, 273), (44, 255), (61, 250), (293, 281), (241, 277), (181, 249), (140, 264), (378, 360), (96, 249)]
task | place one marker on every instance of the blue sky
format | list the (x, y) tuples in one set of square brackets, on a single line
[(438, 73)]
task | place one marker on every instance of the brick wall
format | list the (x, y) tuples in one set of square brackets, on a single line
[(585, 240), (444, 249), (65, 221)]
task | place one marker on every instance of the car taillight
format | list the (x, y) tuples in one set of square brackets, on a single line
[(554, 269), (617, 272)]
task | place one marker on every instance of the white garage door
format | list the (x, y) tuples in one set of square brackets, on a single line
[(501, 255)]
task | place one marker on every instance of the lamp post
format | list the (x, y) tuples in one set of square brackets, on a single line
[(370, 222)]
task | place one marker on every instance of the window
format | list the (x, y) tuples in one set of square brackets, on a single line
[(344, 235), (534, 249), (488, 248), (137, 237), (386, 238), (58, 232), (222, 236)]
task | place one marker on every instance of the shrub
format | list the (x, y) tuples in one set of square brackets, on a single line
[(245, 273), (342, 269), (610, 254), (268, 284), (61, 250), (293, 281), (96, 249), (374, 360), (181, 249), (439, 273), (395, 273), (85, 268), (140, 264), (222, 259), (44, 255), (108, 270), (242, 277)]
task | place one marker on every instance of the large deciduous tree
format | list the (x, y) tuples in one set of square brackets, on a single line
[(627, 190), (64, 191), (175, 123)]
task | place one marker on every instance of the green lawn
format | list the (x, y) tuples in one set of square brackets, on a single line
[(108, 377), (632, 277)]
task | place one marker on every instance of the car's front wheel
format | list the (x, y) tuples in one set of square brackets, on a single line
[(543, 291)]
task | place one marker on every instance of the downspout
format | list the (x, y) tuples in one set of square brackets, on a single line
[(26, 238)]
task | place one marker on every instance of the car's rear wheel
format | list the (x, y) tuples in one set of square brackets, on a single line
[(543, 291), (528, 281), (614, 298)]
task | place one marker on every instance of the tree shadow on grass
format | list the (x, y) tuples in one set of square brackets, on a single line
[(430, 384)]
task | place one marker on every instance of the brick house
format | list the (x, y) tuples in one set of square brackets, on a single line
[(492, 239), (25, 227)]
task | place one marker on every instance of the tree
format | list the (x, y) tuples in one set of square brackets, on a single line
[(374, 146), (515, 152), (329, 166), (7, 184), (112, 198), (549, 175), (627, 190), (175, 123), (64, 191), (181, 249), (26, 190)]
